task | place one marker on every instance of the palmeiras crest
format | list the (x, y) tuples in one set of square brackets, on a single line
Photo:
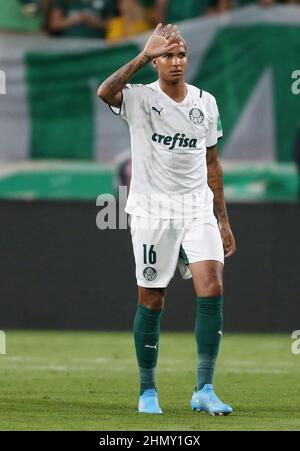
[(196, 116), (150, 273)]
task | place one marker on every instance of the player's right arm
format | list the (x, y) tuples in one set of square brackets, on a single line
[(162, 41)]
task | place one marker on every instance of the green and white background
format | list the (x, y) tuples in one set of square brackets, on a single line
[(57, 140)]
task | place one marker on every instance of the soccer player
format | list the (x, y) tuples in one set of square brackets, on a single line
[(176, 184)]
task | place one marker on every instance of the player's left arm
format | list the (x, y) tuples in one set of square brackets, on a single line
[(215, 182)]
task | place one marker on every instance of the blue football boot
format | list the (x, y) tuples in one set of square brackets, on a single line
[(206, 400), (148, 402)]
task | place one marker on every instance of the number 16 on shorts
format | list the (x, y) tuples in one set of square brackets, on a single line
[(149, 254), (149, 272)]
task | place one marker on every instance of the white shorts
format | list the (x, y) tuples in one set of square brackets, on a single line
[(159, 245)]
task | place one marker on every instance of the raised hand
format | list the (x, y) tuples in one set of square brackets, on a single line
[(162, 40)]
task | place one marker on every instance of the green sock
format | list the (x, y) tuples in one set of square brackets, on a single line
[(208, 331), (146, 330)]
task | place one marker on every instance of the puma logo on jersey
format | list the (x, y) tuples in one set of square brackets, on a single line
[(157, 111), (179, 140), (152, 347)]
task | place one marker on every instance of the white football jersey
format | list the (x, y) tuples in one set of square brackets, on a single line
[(169, 141)]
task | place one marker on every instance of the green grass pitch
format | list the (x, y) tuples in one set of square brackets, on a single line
[(88, 381)]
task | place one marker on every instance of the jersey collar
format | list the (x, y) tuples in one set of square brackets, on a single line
[(183, 102)]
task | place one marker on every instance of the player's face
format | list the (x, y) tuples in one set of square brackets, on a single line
[(172, 65)]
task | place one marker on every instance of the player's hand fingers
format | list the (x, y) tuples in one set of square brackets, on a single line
[(229, 246), (233, 243), (175, 40), (158, 29), (228, 242), (172, 33), (171, 46), (175, 37), (166, 30), (228, 254)]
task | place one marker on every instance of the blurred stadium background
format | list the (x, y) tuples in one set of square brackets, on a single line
[(60, 147)]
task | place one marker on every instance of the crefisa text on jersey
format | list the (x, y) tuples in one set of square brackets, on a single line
[(170, 141), (151, 440)]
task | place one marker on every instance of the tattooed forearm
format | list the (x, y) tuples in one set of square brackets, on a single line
[(116, 82), (215, 182), (118, 79)]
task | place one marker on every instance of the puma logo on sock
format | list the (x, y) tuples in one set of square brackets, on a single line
[(152, 347)]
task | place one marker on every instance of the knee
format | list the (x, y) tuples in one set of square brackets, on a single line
[(212, 286), (213, 289), (152, 298)]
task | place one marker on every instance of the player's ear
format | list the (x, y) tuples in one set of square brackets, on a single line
[(154, 64)]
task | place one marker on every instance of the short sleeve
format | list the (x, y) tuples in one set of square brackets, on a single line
[(215, 131), (132, 95)]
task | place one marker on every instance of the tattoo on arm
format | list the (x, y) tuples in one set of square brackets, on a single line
[(215, 182), (116, 82)]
